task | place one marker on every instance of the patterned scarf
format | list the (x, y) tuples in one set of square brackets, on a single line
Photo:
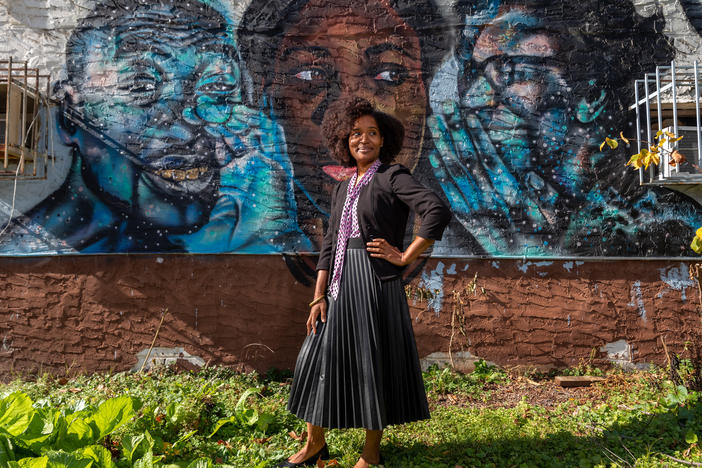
[(346, 224)]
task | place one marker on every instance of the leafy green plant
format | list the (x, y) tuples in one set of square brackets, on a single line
[(247, 417), (478, 419), (45, 436)]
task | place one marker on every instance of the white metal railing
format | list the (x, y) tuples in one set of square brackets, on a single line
[(672, 91)]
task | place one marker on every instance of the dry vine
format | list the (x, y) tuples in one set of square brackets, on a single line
[(695, 276), (461, 298)]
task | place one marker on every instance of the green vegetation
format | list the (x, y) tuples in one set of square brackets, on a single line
[(218, 417)]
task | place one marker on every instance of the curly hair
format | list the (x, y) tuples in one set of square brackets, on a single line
[(338, 123)]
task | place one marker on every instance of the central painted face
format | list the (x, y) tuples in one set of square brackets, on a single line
[(152, 96), (330, 53), (518, 85), (365, 141)]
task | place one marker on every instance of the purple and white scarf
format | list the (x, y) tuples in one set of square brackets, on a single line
[(346, 226)]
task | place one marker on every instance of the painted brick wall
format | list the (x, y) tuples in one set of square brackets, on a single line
[(558, 231), (97, 313)]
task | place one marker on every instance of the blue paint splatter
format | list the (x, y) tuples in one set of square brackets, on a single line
[(677, 278), (637, 299), (434, 281)]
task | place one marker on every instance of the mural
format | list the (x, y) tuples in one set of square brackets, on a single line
[(540, 84), (194, 126)]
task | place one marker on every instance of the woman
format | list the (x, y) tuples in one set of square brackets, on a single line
[(303, 55), (349, 363)]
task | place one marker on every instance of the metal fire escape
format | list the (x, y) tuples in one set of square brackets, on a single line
[(25, 121)]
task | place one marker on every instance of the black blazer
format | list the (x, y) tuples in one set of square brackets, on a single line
[(383, 208)]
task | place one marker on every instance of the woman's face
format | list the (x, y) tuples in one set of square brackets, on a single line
[(365, 141), (330, 54)]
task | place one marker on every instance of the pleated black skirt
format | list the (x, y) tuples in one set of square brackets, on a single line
[(361, 368)]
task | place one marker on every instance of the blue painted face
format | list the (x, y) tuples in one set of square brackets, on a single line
[(154, 96), (518, 87)]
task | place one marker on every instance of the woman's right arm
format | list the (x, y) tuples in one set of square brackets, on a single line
[(319, 309), (323, 266)]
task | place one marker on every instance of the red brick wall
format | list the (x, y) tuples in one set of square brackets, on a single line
[(94, 313)]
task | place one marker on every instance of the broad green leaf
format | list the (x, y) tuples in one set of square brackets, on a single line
[(691, 437), (147, 461), (130, 445), (264, 420), (38, 462), (43, 428), (218, 425), (78, 434), (696, 245), (200, 463), (110, 415), (99, 454), (171, 412), (6, 452), (68, 460), (149, 439), (16, 413)]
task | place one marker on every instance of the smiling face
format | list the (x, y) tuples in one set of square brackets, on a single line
[(518, 85), (365, 141), (150, 95), (330, 54)]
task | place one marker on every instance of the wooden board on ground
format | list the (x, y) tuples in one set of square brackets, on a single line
[(579, 381)]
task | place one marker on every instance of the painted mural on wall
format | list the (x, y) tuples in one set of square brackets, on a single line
[(195, 126)]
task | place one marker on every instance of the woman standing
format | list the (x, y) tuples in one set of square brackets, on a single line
[(360, 345)]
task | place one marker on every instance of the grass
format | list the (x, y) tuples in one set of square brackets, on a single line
[(483, 419)]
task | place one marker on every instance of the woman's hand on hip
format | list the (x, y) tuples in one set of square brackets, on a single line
[(317, 311), (380, 248)]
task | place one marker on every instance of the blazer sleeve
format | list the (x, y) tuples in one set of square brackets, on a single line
[(325, 252), (433, 213)]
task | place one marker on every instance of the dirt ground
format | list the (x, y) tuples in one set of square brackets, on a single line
[(545, 393)]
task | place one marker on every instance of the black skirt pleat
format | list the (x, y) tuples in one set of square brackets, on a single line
[(361, 368)]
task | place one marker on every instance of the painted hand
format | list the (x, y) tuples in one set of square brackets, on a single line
[(256, 210), (497, 208)]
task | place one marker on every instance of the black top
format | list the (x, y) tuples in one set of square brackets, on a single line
[(383, 208)]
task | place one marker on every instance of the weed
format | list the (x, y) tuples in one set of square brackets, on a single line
[(218, 417)]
